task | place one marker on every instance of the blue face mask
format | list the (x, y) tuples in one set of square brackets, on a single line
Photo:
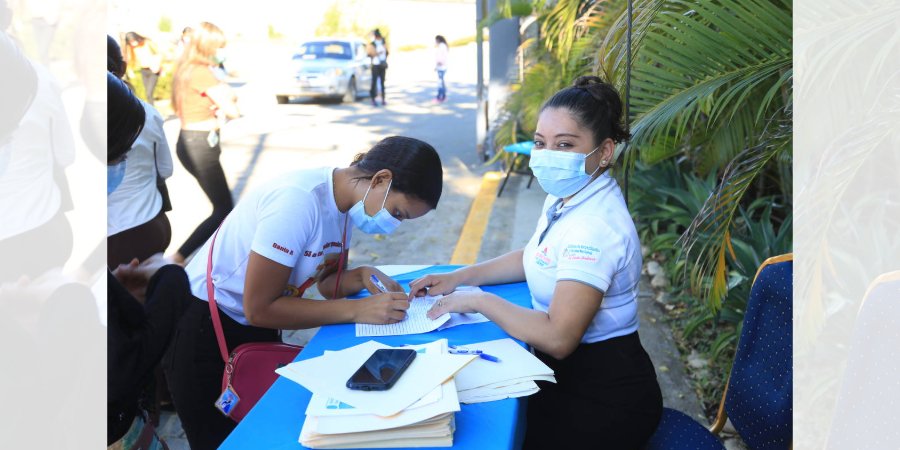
[(561, 174), (381, 223), (114, 176)]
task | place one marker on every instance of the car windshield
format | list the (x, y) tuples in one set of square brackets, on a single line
[(325, 49)]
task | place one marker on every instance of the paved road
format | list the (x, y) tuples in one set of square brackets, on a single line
[(272, 139)]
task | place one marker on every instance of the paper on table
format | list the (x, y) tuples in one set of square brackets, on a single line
[(479, 395), (416, 321), (447, 403), (327, 375), (515, 363)]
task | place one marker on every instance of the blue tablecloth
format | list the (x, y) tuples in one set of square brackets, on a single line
[(275, 422)]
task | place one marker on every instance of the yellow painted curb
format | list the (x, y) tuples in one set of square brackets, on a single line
[(469, 243)]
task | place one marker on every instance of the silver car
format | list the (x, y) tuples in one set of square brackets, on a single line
[(330, 68)]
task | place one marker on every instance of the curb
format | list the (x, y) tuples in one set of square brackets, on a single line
[(469, 243)]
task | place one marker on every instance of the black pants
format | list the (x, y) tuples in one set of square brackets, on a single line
[(378, 72), (136, 346), (202, 161), (149, 78), (606, 396), (194, 367)]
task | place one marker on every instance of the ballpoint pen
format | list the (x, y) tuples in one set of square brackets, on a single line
[(378, 283), (453, 350)]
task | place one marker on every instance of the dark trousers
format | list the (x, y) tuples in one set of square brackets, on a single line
[(194, 368), (139, 242), (606, 396), (378, 72), (202, 161), (149, 78), (442, 87)]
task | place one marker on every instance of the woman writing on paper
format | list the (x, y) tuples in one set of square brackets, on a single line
[(582, 267), (279, 240)]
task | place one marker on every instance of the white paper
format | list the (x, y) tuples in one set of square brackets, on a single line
[(448, 402), (327, 375), (516, 363), (479, 395), (416, 321)]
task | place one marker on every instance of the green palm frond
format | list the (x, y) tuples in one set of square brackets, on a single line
[(701, 64), (707, 241)]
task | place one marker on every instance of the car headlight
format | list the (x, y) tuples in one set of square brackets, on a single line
[(335, 72)]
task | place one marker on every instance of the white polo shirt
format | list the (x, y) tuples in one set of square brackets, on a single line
[(592, 241), (292, 220)]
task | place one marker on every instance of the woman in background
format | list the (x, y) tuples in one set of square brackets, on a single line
[(441, 57), (136, 223), (197, 97), (143, 54)]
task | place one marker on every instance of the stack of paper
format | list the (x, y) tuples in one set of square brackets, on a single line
[(417, 411), (514, 376), (417, 321)]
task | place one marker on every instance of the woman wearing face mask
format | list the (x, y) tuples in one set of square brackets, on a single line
[(582, 265), (281, 239), (198, 96)]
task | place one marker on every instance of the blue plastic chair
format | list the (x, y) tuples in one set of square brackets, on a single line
[(520, 149), (759, 393)]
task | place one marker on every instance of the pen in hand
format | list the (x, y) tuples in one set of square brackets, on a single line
[(378, 283)]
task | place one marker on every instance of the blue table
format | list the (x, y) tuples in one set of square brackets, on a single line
[(275, 422)]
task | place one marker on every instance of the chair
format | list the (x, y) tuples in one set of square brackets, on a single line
[(519, 149), (865, 412), (759, 394)]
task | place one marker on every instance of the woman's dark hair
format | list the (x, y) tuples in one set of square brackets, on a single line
[(124, 118), (415, 165), (115, 62), (19, 86), (377, 33), (440, 40), (131, 36), (596, 106)]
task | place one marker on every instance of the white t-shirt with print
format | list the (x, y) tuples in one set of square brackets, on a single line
[(292, 220), (594, 242)]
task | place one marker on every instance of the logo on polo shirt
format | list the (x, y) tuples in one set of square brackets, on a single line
[(583, 253), (282, 249), (542, 257)]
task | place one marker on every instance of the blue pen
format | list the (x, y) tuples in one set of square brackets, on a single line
[(378, 283), (461, 351)]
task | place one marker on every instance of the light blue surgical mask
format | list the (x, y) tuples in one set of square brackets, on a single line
[(381, 223), (561, 174), (220, 56), (114, 176)]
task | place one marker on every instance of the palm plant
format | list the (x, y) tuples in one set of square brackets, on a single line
[(710, 83)]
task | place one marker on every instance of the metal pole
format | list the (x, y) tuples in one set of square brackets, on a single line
[(481, 114)]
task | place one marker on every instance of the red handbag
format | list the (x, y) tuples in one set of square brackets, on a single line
[(250, 370)]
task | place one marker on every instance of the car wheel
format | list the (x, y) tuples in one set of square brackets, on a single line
[(282, 99), (350, 95)]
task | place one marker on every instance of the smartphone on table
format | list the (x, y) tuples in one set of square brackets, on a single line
[(381, 370)]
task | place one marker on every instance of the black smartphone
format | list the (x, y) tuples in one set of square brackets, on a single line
[(381, 370)]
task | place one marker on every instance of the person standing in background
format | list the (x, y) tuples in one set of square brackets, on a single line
[(197, 97), (378, 52), (142, 53), (441, 55), (137, 226)]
